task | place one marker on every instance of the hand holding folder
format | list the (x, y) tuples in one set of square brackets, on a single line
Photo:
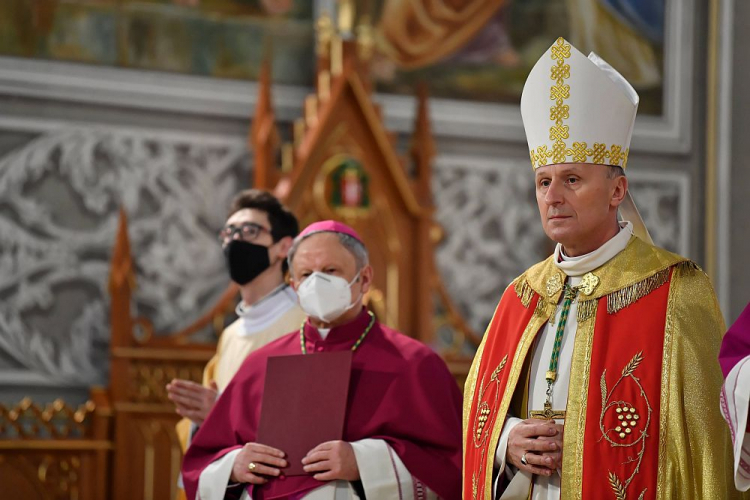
[(304, 403)]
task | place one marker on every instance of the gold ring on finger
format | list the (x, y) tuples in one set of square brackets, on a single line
[(251, 466)]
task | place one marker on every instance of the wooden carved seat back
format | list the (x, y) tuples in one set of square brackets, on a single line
[(341, 165), (147, 454), (56, 452)]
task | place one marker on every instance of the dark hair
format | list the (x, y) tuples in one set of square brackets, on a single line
[(283, 222)]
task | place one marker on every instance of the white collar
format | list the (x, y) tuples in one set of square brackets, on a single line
[(578, 266), (266, 311)]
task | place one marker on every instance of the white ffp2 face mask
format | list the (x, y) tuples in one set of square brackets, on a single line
[(325, 296)]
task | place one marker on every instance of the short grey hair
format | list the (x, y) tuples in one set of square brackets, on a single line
[(614, 171), (355, 247)]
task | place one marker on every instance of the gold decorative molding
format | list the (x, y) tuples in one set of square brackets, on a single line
[(148, 379), (62, 474), (79, 445), (58, 476), (56, 420), (160, 353)]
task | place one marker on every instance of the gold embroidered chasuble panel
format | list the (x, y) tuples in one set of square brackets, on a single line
[(633, 407)]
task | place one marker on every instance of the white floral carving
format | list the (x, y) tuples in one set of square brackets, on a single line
[(492, 231), (60, 196)]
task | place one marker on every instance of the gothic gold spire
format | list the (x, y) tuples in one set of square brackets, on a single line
[(346, 16), (365, 38), (263, 134), (324, 30), (423, 148)]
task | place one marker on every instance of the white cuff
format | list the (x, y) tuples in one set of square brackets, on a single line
[(502, 451), (735, 398), (380, 476), (384, 475), (214, 480), (502, 444)]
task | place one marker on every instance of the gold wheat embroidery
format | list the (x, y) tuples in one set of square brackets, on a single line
[(627, 420), (483, 419)]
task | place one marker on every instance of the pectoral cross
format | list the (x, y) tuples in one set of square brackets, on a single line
[(548, 413), (569, 296)]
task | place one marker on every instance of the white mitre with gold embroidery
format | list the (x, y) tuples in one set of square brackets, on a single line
[(577, 109)]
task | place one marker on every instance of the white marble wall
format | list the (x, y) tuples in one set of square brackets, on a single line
[(60, 195)]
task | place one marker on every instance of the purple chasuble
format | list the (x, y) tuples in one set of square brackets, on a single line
[(400, 391), (735, 345)]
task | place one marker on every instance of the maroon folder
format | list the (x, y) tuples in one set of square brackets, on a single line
[(304, 403)]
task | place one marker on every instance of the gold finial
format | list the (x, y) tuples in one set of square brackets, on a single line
[(324, 30), (299, 131), (287, 157), (311, 110), (365, 38), (337, 56), (437, 233), (324, 86), (345, 17)]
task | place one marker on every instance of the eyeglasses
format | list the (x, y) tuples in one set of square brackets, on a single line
[(248, 231)]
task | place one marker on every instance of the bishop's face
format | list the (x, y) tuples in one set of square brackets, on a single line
[(324, 253), (578, 205)]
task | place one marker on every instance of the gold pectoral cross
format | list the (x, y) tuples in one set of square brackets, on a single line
[(548, 413)]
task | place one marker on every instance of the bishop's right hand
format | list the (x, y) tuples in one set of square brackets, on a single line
[(255, 463), (540, 441)]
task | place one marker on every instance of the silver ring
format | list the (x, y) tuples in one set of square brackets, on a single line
[(523, 459)]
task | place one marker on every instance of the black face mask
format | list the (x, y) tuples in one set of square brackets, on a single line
[(245, 261)]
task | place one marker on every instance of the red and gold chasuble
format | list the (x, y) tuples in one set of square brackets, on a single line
[(642, 418)]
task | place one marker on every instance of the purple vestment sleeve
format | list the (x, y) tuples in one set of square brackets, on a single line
[(736, 343)]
